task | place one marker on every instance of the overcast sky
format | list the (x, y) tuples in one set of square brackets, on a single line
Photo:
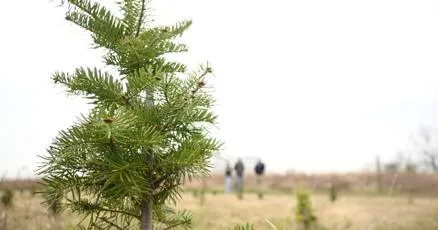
[(306, 85)]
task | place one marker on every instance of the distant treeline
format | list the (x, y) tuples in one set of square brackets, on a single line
[(420, 183), (409, 182)]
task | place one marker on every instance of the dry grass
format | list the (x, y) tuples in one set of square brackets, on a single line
[(349, 212), (224, 211), (359, 182), (363, 182), (27, 213)]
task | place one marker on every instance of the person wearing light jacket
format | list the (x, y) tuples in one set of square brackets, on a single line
[(228, 177)]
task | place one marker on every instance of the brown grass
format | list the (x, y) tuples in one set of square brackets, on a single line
[(362, 182), (223, 211), (419, 183), (353, 210), (350, 212)]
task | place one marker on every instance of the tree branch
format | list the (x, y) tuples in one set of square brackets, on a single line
[(110, 223), (118, 211), (140, 19), (177, 224)]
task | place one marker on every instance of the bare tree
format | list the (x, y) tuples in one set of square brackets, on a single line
[(379, 174), (425, 142)]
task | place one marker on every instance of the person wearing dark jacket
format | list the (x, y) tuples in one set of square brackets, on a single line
[(239, 168), (259, 170)]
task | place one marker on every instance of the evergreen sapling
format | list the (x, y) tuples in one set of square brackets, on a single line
[(333, 193), (147, 131), (7, 197), (304, 211)]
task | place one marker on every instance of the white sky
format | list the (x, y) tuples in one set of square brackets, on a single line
[(307, 85)]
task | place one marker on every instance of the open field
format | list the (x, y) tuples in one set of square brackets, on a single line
[(223, 211), (359, 205), (350, 212), (358, 182)]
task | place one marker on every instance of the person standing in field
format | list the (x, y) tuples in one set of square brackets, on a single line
[(228, 177), (259, 170), (239, 168)]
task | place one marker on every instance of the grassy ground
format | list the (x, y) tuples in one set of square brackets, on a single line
[(349, 212), (223, 211)]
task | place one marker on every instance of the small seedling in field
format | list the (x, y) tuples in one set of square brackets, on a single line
[(195, 193), (260, 195), (246, 226), (333, 193), (7, 197), (304, 211)]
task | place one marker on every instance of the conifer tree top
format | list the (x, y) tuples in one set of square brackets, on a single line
[(147, 131)]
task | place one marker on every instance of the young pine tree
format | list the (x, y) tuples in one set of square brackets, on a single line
[(147, 131), (304, 210), (6, 198), (246, 226), (333, 193), (333, 190)]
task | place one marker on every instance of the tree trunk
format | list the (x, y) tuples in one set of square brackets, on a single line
[(433, 164), (146, 216), (147, 205), (379, 175)]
